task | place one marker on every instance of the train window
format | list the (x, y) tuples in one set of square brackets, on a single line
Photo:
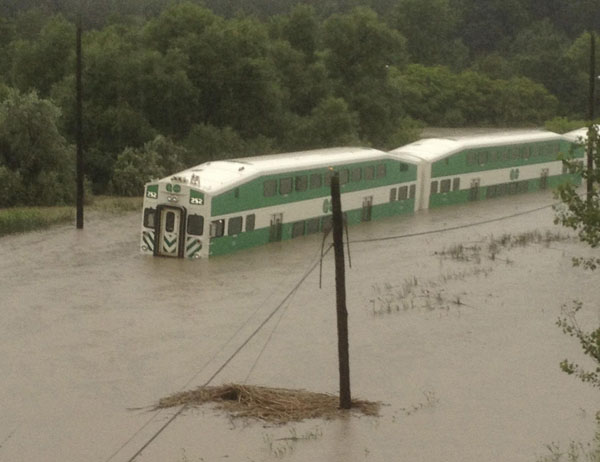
[(312, 226), (269, 188), (434, 187), (250, 220), (506, 155), (445, 186), (234, 226), (527, 152), (217, 228), (392, 194), (195, 225), (356, 174), (369, 172), (236, 193), (285, 185), (483, 157), (380, 171), (344, 176), (149, 214), (301, 183), (170, 222), (412, 191), (515, 154), (316, 181), (493, 156), (402, 193), (456, 184), (403, 167), (298, 229), (470, 158)]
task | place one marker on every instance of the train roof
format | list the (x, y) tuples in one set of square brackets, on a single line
[(217, 176), (433, 149), (579, 135)]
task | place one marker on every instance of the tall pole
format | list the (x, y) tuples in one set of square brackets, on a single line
[(340, 289), (79, 128), (592, 132)]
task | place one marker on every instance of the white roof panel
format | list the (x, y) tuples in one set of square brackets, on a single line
[(433, 149), (224, 174)]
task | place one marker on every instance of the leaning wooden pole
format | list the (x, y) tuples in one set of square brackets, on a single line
[(79, 129), (592, 132), (340, 288)]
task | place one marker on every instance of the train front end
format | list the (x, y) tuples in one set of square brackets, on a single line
[(173, 218)]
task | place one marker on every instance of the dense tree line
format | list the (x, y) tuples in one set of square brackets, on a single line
[(168, 84)]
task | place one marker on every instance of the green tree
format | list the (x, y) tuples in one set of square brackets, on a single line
[(35, 160), (359, 52), (136, 166), (41, 61), (430, 28), (331, 123)]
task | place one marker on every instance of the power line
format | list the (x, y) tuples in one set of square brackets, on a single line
[(452, 228)]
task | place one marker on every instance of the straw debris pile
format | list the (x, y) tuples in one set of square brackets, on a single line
[(276, 405)]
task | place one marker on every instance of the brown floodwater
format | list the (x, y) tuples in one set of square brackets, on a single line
[(460, 348)]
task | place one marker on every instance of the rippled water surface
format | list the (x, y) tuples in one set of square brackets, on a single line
[(462, 350)]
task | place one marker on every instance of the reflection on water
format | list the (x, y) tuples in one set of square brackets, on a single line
[(90, 328)]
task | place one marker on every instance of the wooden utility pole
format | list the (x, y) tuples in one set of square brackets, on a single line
[(340, 289), (592, 132), (79, 127)]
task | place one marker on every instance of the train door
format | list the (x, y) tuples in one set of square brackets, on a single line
[(276, 229), (367, 208), (544, 179), (170, 231), (474, 190)]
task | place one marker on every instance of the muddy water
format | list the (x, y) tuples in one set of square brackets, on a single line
[(463, 353)]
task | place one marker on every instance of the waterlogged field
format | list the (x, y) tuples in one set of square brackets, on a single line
[(453, 332)]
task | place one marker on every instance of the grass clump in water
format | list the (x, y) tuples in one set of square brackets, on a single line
[(275, 405)]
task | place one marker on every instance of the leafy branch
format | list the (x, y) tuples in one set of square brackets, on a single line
[(590, 343)]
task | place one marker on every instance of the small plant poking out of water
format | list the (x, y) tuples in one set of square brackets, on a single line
[(495, 246), (282, 446), (431, 400)]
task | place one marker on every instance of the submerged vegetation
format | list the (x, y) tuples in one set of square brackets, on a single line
[(276, 405), (22, 219)]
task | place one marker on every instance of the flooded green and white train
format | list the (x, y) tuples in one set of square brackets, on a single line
[(223, 206), (470, 168)]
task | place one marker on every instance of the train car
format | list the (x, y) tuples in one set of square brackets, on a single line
[(470, 168), (223, 206)]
